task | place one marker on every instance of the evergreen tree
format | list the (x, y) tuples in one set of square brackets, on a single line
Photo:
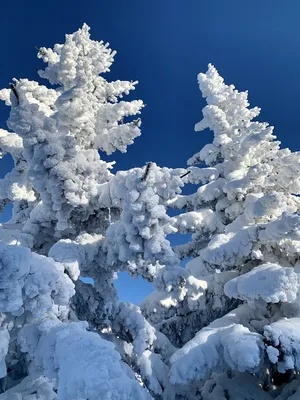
[(224, 327), (60, 337), (245, 223)]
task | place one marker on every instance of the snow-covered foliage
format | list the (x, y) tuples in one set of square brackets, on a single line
[(64, 198), (244, 220), (225, 327)]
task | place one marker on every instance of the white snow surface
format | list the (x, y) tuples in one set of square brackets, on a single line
[(268, 282), (221, 344), (284, 335), (31, 282), (85, 366), (74, 218)]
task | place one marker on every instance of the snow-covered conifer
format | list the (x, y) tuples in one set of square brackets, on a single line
[(245, 244), (224, 327), (64, 198)]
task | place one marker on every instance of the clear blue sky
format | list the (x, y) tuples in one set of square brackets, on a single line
[(164, 44)]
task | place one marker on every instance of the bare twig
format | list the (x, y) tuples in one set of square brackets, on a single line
[(137, 122), (182, 176), (144, 177), (40, 51), (14, 90)]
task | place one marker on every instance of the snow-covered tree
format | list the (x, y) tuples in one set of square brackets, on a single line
[(72, 218), (242, 340), (225, 327)]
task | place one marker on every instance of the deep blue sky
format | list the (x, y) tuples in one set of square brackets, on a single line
[(164, 44)]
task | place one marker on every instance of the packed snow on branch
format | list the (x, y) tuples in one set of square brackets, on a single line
[(226, 326)]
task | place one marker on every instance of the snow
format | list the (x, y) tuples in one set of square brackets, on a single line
[(64, 198), (230, 249), (210, 329), (245, 244), (221, 344), (32, 389), (202, 175), (61, 131), (240, 386), (4, 340), (76, 255), (268, 282), (31, 282), (84, 365), (283, 336), (195, 221)]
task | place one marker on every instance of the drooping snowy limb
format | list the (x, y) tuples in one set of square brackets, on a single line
[(131, 325), (33, 388), (203, 221), (154, 373), (140, 345), (32, 286), (150, 367), (84, 365), (98, 302), (15, 188), (225, 343), (268, 283), (283, 344), (129, 321), (238, 386), (77, 255), (4, 340), (180, 321), (99, 305), (146, 350), (31, 282)]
